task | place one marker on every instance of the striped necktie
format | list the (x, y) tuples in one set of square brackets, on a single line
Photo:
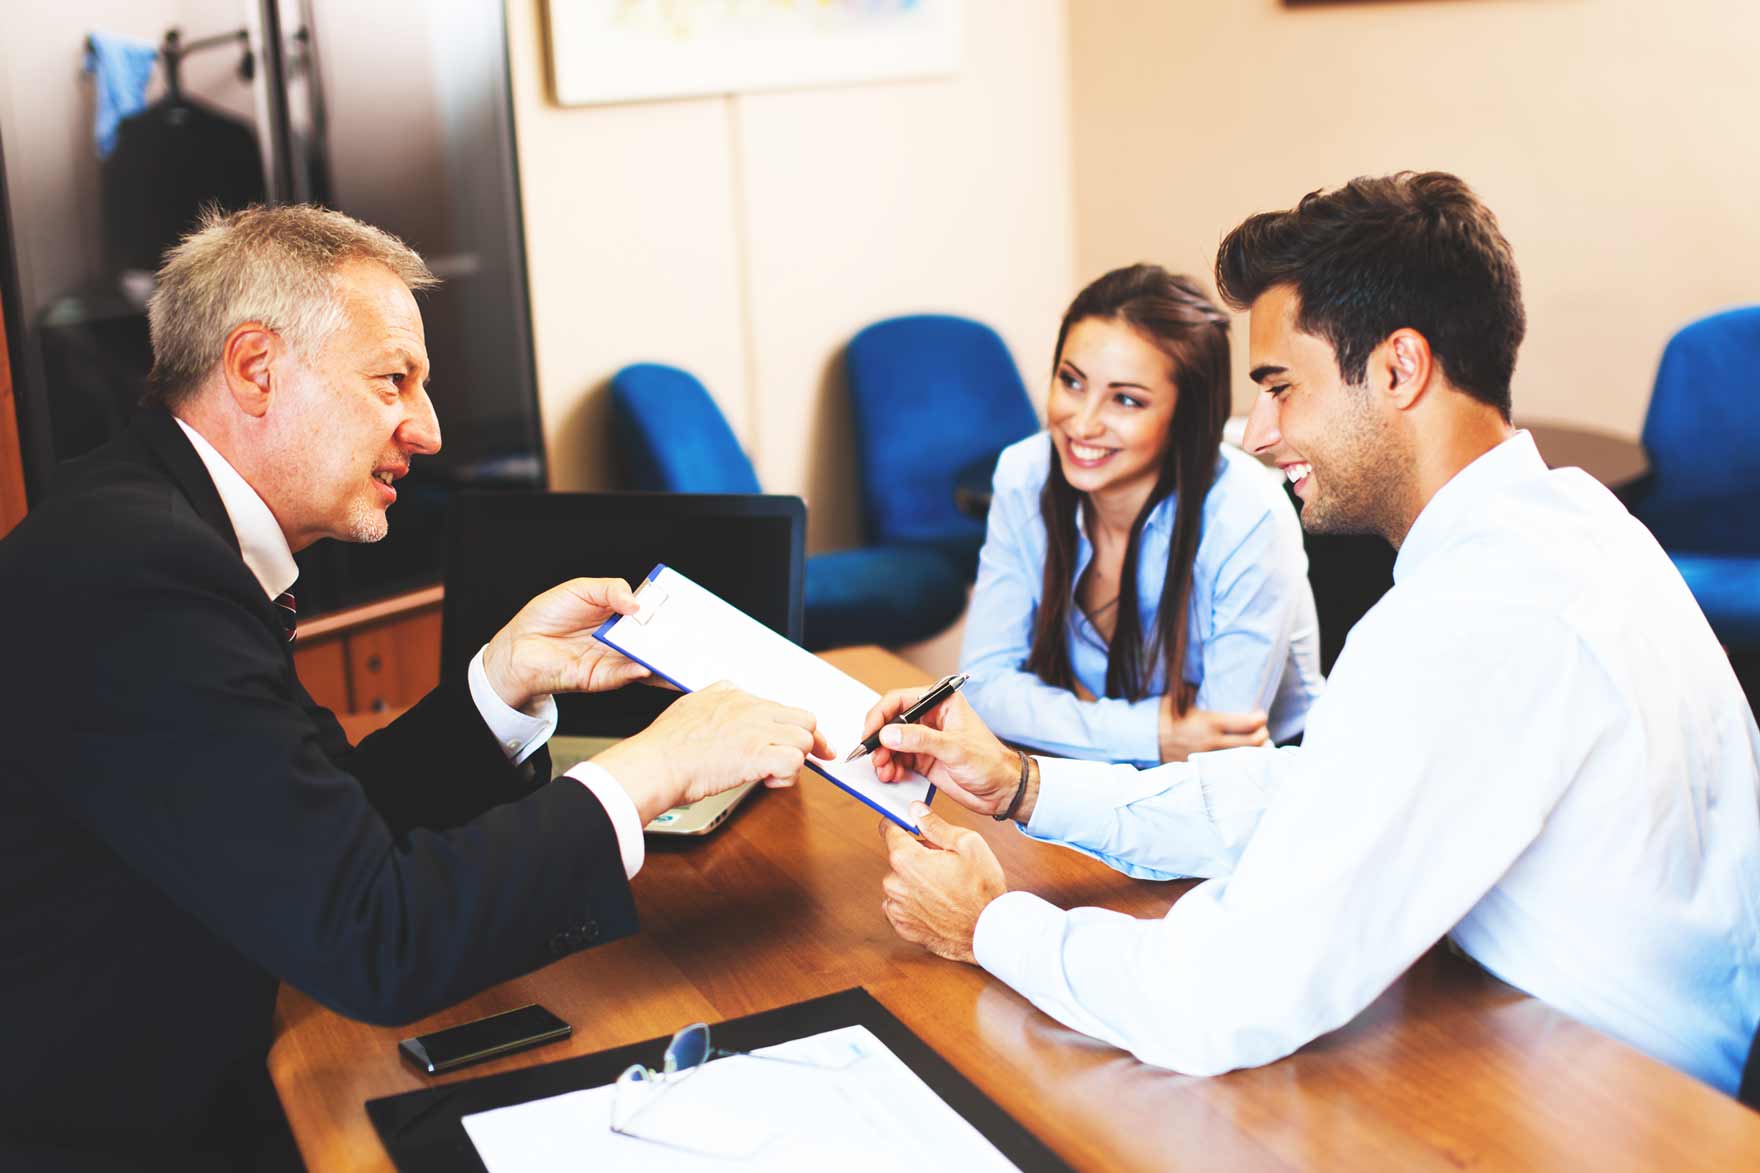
[(289, 613)]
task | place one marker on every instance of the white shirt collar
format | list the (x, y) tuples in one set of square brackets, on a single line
[(260, 539), (1514, 460)]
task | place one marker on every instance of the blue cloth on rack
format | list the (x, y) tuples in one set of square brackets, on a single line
[(123, 66)]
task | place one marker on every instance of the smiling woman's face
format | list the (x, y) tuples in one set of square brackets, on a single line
[(1110, 410)]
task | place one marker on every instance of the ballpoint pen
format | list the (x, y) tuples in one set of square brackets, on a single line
[(944, 688)]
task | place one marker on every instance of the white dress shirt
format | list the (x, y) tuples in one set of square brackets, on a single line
[(270, 560), (1532, 744)]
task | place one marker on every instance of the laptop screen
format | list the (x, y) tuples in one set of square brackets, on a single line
[(503, 548)]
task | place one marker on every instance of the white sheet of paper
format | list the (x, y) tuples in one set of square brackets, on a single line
[(694, 638), (869, 1116)]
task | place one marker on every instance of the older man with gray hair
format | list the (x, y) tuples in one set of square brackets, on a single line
[(184, 826)]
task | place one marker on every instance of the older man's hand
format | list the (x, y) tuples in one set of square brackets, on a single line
[(938, 887), (549, 646), (709, 741)]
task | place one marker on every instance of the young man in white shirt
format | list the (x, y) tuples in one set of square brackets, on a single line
[(1533, 744)]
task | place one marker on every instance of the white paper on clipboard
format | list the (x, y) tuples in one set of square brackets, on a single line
[(693, 638)]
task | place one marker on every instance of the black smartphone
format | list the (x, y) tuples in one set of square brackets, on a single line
[(486, 1038)]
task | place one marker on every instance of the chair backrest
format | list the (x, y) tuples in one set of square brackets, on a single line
[(932, 394), (671, 438), (1702, 432)]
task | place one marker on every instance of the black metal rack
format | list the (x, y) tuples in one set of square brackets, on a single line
[(173, 49)]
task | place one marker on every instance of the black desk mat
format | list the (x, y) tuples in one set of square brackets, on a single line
[(424, 1133)]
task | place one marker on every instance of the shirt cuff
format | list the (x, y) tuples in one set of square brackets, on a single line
[(1059, 779), (625, 820), (1008, 930), (520, 733), (1078, 799), (1138, 736)]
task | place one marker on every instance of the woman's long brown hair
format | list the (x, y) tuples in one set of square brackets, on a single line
[(1171, 312)]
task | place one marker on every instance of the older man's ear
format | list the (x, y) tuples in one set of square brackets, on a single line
[(245, 363)]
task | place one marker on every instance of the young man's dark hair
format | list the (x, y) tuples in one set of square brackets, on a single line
[(1414, 249)]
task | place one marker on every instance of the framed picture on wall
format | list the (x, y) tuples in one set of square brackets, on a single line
[(640, 50)]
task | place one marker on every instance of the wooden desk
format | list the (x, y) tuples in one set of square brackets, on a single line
[(1449, 1069)]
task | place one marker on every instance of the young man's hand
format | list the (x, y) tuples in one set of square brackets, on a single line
[(953, 748), (939, 887)]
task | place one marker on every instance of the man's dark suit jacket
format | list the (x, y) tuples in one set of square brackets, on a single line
[(184, 826)]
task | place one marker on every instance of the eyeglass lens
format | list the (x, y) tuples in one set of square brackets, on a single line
[(688, 1049)]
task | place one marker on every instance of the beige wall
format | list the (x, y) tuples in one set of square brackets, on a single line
[(747, 238), (1615, 139)]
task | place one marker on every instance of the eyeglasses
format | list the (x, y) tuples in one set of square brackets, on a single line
[(686, 1054)]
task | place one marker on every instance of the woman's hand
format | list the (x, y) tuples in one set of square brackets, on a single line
[(1200, 730)]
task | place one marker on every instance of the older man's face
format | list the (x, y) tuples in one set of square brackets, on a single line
[(353, 414)]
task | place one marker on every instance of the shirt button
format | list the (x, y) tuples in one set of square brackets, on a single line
[(511, 745)]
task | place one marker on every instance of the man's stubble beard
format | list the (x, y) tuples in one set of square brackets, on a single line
[(1361, 480), (368, 525)]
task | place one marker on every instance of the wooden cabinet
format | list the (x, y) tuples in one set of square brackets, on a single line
[(394, 664), (323, 668), (383, 656)]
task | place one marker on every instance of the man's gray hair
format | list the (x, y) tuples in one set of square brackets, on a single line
[(274, 265)]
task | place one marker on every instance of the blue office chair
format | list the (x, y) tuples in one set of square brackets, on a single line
[(1702, 432), (671, 438), (932, 395)]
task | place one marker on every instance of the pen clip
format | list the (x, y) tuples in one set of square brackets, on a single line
[(939, 692)]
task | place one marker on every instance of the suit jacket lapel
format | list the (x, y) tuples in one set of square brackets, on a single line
[(159, 433)]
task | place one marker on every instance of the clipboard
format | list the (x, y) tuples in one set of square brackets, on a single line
[(688, 636), (421, 1130)]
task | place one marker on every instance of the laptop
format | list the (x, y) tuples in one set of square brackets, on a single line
[(505, 547)]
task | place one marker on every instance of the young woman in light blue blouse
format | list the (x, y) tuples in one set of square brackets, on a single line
[(1215, 644)]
